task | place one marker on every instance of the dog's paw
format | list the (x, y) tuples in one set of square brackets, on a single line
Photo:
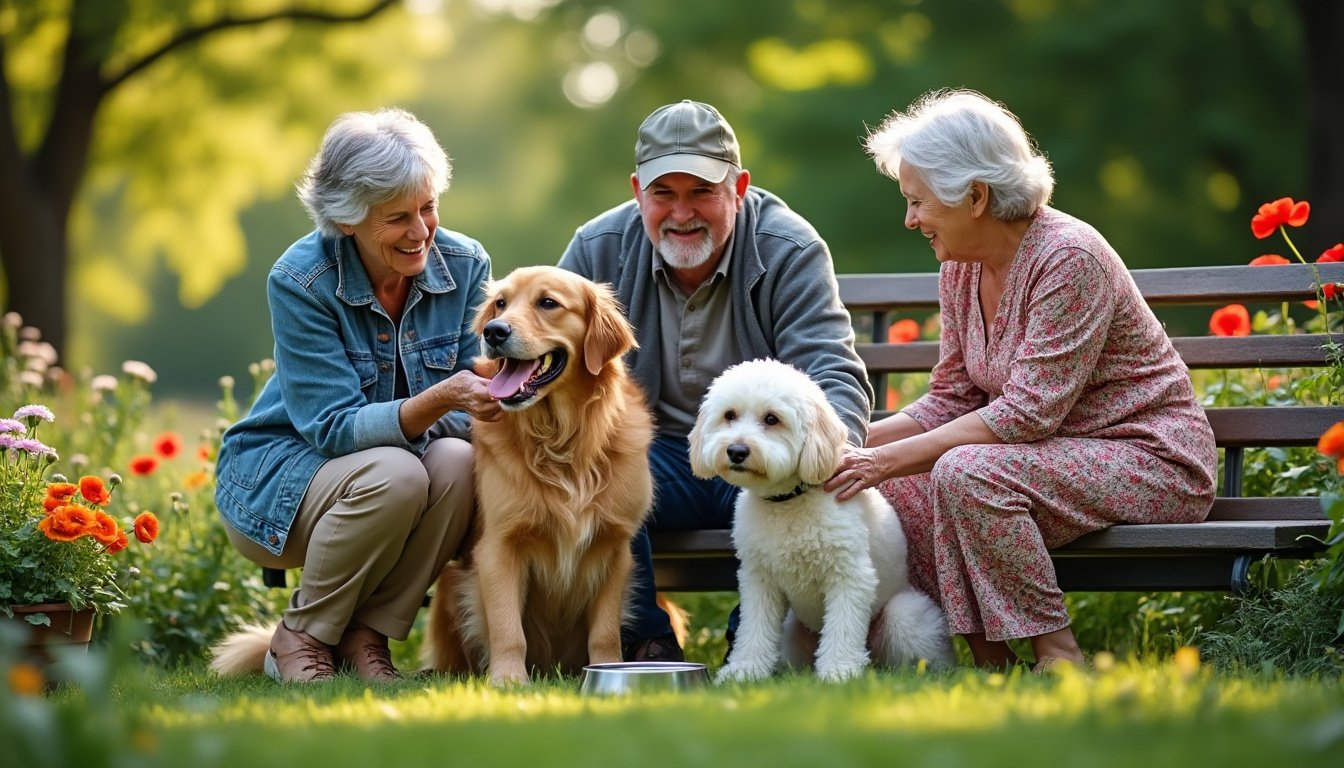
[(508, 677), (834, 670), (736, 672)]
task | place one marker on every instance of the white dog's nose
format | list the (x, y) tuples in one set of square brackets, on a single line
[(737, 453)]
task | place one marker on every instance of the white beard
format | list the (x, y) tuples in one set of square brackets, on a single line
[(682, 255)]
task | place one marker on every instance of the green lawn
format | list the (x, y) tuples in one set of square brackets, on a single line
[(1121, 715)]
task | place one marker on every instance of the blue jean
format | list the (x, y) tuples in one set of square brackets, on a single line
[(682, 502)]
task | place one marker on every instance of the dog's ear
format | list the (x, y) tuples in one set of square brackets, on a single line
[(699, 467), (822, 445), (609, 334), (486, 311)]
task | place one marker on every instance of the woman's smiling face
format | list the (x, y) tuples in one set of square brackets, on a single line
[(394, 238), (945, 227)]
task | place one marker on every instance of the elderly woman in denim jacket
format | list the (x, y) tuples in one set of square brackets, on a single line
[(352, 463)]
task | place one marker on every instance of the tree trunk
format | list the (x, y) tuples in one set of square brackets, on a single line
[(1322, 31)]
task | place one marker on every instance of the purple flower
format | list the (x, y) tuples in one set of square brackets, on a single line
[(7, 440), (35, 411), (34, 447), (11, 425)]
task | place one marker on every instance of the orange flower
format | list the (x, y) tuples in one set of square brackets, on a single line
[(1278, 213), (121, 543), (143, 464), (196, 480), (903, 331), (1232, 320), (204, 452), (61, 490), (25, 679), (1332, 442), (104, 528), (93, 490), (168, 445), (146, 527), (67, 523), (893, 399), (1333, 253), (1269, 260), (1274, 382)]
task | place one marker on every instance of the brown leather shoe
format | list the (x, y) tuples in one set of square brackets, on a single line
[(298, 657), (365, 651)]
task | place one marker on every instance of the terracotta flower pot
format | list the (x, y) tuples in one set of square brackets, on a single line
[(68, 628)]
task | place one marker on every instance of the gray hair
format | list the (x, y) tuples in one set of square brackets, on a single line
[(367, 159), (955, 137)]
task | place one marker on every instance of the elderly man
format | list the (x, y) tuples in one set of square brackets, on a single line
[(713, 272)]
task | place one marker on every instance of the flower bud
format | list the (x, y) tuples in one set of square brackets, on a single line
[(133, 572), (114, 480)]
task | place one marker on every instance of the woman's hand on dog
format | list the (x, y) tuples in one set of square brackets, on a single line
[(467, 391), (860, 469), (463, 391)]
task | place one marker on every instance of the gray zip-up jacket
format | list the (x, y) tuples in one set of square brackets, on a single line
[(786, 304)]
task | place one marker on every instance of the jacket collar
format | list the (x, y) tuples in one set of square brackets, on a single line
[(353, 286)]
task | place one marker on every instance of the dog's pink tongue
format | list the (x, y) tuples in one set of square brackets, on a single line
[(511, 377)]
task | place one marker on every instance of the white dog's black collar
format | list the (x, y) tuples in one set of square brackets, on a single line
[(799, 490)]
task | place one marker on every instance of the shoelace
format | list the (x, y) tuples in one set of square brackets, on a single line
[(316, 660)]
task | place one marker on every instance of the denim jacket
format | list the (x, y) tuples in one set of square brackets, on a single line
[(336, 352)]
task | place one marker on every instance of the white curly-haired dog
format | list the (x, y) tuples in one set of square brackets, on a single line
[(821, 571)]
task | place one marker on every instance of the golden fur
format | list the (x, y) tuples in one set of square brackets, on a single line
[(562, 486)]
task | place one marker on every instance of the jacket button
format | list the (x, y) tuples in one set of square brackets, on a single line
[(383, 337), (410, 335), (384, 366), (273, 539)]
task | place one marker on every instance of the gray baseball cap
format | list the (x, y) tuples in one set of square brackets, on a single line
[(686, 137)]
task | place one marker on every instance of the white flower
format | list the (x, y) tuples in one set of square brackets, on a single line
[(103, 383), (139, 370)]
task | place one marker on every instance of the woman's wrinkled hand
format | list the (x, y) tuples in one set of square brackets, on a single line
[(860, 469), (466, 391)]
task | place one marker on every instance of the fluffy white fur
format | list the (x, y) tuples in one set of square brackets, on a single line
[(814, 569)]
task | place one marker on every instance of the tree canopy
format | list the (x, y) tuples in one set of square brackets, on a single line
[(1167, 125)]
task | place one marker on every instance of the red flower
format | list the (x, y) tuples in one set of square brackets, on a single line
[(120, 544), (1278, 213), (146, 527), (104, 528), (1332, 291), (167, 445), (1232, 320), (893, 399), (903, 331), (203, 452), (1332, 442), (143, 464), (1333, 253), (1269, 260), (92, 489)]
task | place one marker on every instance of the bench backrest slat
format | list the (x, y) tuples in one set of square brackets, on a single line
[(1160, 287), (1296, 351)]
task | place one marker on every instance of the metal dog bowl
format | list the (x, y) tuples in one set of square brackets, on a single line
[(642, 677)]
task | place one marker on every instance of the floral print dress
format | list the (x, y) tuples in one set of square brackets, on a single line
[(1097, 416)]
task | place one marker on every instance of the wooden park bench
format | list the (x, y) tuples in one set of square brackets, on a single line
[(1213, 555)]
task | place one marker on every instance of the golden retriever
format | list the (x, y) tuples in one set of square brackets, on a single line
[(562, 486)]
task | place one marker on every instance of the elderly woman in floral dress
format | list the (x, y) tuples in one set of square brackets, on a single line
[(1058, 405)]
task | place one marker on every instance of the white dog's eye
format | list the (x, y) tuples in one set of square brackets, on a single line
[(770, 419), (730, 416)]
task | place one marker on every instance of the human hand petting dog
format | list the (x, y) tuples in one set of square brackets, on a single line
[(859, 469), (471, 393)]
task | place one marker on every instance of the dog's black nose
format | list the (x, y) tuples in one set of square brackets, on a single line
[(496, 332), (738, 453)]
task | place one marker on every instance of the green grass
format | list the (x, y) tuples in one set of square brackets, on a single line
[(1122, 715)]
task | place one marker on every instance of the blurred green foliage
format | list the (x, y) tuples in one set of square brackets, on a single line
[(1167, 124)]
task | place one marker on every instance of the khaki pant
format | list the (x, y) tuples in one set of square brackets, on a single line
[(372, 533)]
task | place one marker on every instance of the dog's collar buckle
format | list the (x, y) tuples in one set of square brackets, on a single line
[(798, 490)]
